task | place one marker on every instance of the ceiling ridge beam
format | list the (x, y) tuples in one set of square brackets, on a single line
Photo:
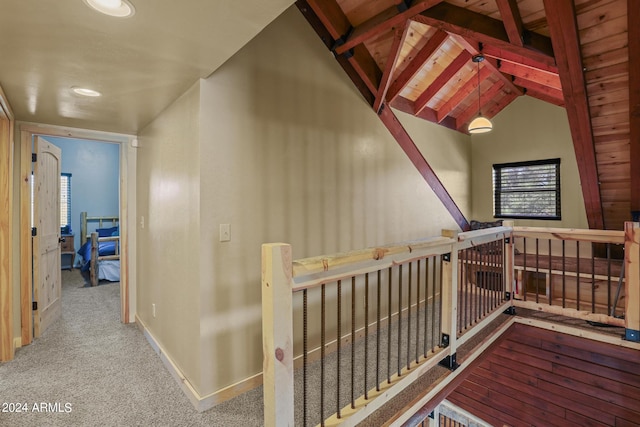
[(484, 29), (512, 21), (443, 78), (563, 28), (403, 139), (383, 22), (399, 37), (416, 64)]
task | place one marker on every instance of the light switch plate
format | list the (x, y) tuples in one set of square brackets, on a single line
[(225, 232)]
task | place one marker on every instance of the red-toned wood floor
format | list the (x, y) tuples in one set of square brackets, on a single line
[(536, 377)]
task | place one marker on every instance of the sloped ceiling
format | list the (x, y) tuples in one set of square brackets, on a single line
[(140, 64)]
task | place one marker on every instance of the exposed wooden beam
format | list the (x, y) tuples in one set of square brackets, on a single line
[(541, 77), (443, 78), (549, 92), (512, 21), (403, 104), (462, 94), (325, 35), (633, 12), (484, 29), (564, 35), (399, 38), (331, 16), (490, 63), (409, 147), (501, 104), (548, 65), (366, 67), (416, 64), (383, 22)]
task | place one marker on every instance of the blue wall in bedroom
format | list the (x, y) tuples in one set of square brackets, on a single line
[(95, 177)]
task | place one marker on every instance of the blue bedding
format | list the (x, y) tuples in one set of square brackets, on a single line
[(104, 249)]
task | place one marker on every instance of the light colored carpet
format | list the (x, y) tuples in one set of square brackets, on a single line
[(104, 372)]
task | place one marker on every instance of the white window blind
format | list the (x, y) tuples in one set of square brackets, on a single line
[(527, 189)]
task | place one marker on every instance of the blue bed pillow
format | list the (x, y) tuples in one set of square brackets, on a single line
[(107, 232)]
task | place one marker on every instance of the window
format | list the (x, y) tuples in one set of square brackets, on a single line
[(65, 202), (527, 189)]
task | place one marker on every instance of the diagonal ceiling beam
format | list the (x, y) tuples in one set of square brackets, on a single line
[(531, 74), (564, 34), (328, 12), (328, 40), (416, 64), (550, 93), (406, 106), (484, 29), (388, 118), (548, 64), (512, 21), (383, 22), (409, 147), (633, 12), (399, 37), (443, 78)]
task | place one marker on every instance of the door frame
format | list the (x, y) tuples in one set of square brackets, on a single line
[(127, 215), (7, 347)]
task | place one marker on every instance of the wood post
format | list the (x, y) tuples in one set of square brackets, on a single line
[(632, 282), (94, 272), (450, 305), (509, 276), (277, 334)]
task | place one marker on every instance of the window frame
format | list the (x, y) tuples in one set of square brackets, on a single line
[(498, 206), (68, 196)]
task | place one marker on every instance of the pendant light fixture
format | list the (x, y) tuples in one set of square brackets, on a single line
[(480, 124)]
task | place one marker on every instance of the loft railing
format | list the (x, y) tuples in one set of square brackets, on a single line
[(357, 328)]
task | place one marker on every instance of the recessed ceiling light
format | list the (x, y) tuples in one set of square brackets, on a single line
[(85, 92), (117, 8)]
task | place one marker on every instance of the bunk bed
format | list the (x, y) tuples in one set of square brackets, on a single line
[(100, 250)]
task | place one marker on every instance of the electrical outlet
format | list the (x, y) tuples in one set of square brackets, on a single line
[(153, 310)]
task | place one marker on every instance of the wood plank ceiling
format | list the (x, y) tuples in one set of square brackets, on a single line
[(416, 56)]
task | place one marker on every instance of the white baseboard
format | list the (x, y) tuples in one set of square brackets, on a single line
[(200, 403)]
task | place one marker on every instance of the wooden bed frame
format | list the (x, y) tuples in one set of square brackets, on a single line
[(102, 221)]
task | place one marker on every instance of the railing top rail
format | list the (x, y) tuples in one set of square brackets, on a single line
[(309, 272), (583, 235), (485, 235)]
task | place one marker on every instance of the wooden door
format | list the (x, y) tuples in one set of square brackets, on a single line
[(47, 281)]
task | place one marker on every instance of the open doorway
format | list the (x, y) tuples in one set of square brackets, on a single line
[(105, 157)]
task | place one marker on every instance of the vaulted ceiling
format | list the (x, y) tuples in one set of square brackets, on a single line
[(416, 56)]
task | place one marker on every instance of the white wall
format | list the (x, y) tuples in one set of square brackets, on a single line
[(168, 198), (291, 152), (528, 129)]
